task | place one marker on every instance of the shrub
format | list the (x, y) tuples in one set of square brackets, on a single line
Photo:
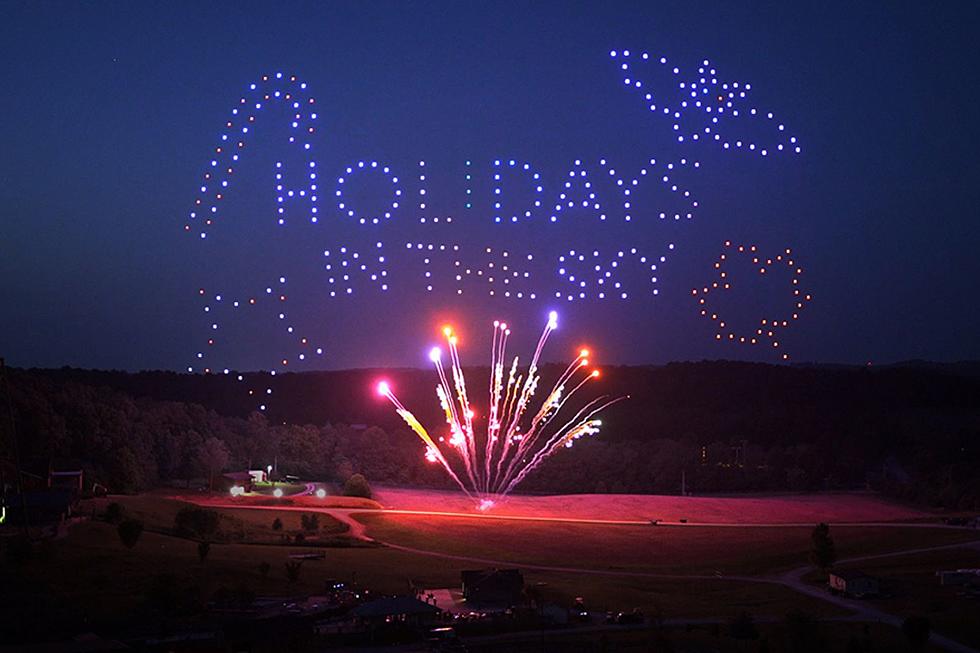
[(114, 513), (196, 523), (823, 554), (311, 522), (129, 532), (357, 486), (292, 570)]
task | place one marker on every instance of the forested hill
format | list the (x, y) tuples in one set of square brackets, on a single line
[(911, 429), (701, 402)]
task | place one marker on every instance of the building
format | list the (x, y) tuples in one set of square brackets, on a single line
[(41, 506), (959, 577), (229, 480), (68, 479), (490, 587), (397, 609), (853, 583)]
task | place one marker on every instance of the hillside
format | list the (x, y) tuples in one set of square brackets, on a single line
[(728, 426)]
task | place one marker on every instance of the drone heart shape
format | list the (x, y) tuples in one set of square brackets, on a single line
[(591, 224)]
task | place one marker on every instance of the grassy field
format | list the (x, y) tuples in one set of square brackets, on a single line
[(910, 585), (779, 638), (106, 583), (89, 579), (157, 513), (782, 509), (665, 549), (305, 501), (92, 576)]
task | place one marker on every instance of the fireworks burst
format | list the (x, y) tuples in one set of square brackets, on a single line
[(517, 438)]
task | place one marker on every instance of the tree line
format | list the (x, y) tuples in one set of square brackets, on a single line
[(909, 431)]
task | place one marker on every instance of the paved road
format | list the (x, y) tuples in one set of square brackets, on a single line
[(792, 579)]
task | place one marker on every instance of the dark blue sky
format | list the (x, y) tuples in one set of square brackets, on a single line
[(111, 113)]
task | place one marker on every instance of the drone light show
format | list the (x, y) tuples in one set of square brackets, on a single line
[(604, 230), (703, 107), (489, 463)]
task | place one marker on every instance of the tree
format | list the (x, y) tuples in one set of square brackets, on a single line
[(796, 479), (357, 486), (203, 549), (213, 456), (917, 630), (277, 524), (823, 554), (344, 469), (129, 532), (114, 513), (196, 523), (292, 570)]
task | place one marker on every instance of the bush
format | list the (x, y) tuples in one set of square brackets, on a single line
[(822, 551), (292, 570), (196, 523), (357, 486), (311, 522), (129, 532), (114, 513)]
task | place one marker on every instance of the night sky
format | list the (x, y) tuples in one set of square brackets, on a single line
[(111, 112)]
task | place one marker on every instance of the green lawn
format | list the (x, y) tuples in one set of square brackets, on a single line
[(666, 549), (779, 638), (239, 525), (911, 586), (104, 582), (89, 578)]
